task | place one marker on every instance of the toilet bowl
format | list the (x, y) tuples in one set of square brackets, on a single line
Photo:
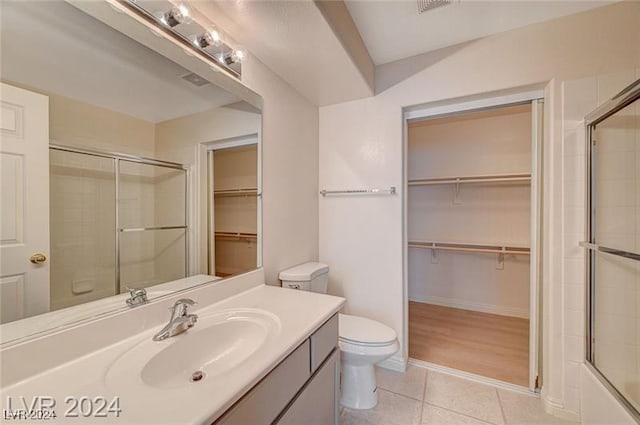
[(363, 342)]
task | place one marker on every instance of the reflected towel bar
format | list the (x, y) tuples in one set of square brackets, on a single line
[(390, 191)]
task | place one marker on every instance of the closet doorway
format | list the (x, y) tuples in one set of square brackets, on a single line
[(472, 221)]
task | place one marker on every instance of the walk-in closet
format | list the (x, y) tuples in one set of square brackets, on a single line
[(233, 209), (469, 227)]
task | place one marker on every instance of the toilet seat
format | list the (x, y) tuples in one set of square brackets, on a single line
[(360, 331)]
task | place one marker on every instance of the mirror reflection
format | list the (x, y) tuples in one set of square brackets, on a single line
[(121, 171)]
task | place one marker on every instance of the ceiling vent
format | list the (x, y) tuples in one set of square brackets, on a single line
[(426, 5), (195, 79)]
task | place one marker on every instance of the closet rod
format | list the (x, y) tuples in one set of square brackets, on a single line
[(236, 192), (468, 247), (236, 235), (493, 178)]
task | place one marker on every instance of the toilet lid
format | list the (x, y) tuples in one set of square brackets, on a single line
[(360, 330)]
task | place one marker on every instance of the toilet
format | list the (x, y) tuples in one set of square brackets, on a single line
[(363, 342)]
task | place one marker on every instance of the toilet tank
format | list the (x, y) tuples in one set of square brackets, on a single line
[(312, 277)]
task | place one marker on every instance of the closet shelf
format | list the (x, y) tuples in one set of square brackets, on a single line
[(490, 178), (237, 235), (236, 192), (470, 247)]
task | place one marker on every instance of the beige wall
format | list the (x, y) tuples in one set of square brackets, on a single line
[(289, 144), (475, 144), (80, 124), (361, 146), (184, 140)]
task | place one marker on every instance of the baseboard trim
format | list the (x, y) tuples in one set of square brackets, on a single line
[(396, 363), (473, 377), (556, 408), (468, 305)]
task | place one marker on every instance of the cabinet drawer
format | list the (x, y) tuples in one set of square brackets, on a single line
[(323, 341), (263, 404), (317, 403)]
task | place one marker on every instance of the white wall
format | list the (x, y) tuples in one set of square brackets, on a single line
[(289, 171), (361, 146)]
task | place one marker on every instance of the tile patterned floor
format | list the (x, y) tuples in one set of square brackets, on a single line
[(421, 397)]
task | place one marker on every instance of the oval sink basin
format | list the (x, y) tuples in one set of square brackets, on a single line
[(217, 344)]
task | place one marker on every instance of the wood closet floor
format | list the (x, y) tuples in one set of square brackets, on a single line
[(484, 344)]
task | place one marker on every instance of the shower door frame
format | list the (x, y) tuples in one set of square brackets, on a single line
[(624, 98), (117, 157)]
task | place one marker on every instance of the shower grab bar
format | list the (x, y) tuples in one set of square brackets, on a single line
[(144, 229), (611, 251), (374, 191)]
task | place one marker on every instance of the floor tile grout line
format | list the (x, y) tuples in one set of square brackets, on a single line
[(421, 399), (400, 394), (504, 417), (460, 413), (424, 391)]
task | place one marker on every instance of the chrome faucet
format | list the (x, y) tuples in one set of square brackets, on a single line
[(137, 297), (180, 320)]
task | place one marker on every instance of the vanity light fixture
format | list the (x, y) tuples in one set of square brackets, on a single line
[(176, 16), (196, 38)]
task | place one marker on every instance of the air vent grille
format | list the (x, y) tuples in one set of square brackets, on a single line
[(195, 79), (426, 5)]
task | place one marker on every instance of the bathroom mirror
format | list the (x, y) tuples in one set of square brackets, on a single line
[(122, 168)]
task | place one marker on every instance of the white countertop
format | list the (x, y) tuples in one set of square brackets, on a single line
[(299, 313), (46, 321)]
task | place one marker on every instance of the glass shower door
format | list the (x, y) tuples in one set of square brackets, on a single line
[(613, 348), (82, 214), (152, 223)]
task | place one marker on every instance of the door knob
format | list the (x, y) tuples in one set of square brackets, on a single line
[(38, 258)]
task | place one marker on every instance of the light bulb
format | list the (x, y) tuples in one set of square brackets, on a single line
[(175, 16), (238, 55), (209, 38)]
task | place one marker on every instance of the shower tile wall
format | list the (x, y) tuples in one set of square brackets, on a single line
[(82, 229), (619, 349)]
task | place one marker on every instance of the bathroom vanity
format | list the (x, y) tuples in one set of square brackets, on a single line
[(257, 355)]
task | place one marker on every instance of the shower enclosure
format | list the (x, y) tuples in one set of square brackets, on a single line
[(613, 246), (117, 222)]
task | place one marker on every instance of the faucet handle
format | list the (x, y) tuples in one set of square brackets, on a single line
[(180, 307), (136, 296), (134, 292)]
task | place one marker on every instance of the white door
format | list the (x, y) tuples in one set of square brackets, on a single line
[(24, 203)]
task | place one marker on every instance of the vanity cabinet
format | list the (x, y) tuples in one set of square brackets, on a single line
[(303, 388)]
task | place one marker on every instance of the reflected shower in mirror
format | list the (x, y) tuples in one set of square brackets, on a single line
[(105, 177)]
